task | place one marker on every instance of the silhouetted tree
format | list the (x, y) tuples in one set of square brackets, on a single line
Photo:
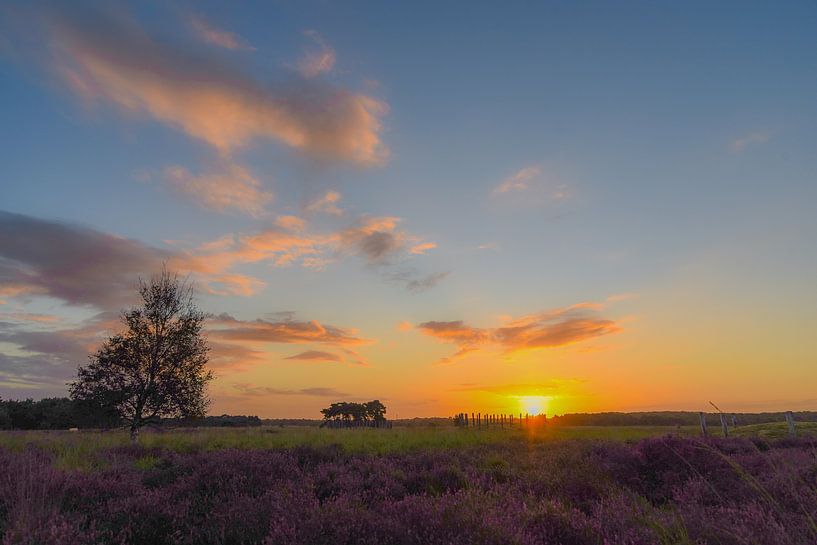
[(156, 367), (373, 411)]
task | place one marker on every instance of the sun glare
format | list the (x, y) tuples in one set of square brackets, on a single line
[(534, 405)]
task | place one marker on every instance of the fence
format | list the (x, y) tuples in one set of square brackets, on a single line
[(726, 419), (501, 420)]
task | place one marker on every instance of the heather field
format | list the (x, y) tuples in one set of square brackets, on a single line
[(411, 485)]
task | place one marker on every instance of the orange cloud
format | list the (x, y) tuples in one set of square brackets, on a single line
[(224, 327), (119, 63), (423, 247), (326, 204), (229, 187), (314, 355), (549, 329), (239, 344)]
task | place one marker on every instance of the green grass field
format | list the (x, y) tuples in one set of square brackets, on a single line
[(75, 449)]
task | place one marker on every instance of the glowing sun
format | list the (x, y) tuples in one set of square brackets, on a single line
[(534, 405)]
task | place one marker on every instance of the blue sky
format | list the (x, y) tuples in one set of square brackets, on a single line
[(639, 175)]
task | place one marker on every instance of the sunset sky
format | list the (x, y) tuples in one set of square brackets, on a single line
[(580, 206)]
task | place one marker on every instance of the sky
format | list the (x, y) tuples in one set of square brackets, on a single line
[(450, 207)]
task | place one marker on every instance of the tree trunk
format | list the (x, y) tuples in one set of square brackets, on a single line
[(134, 434)]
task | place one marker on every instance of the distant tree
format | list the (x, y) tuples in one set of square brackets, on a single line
[(373, 411), (156, 367), (5, 419)]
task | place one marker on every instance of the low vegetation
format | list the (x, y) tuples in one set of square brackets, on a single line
[(408, 485)]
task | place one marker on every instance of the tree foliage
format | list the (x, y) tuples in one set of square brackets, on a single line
[(155, 367), (357, 412)]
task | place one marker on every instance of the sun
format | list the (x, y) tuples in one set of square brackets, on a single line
[(534, 405)]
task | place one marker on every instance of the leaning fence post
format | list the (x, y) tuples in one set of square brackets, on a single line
[(724, 427), (790, 422), (702, 416)]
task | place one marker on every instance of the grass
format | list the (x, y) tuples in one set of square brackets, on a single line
[(76, 449)]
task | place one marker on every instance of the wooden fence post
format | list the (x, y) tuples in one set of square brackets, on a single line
[(479, 420), (734, 421), (790, 422), (702, 416), (724, 427)]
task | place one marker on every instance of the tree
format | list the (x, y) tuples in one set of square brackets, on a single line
[(156, 367), (375, 410), (372, 411)]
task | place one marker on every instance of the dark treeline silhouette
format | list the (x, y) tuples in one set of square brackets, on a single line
[(223, 421), (673, 418), (348, 414), (62, 413), (55, 413)]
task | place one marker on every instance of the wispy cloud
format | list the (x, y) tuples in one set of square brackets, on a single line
[(253, 390), (750, 139), (327, 204), (315, 355), (216, 36), (228, 187), (224, 327), (317, 60), (103, 59), (519, 181), (548, 329)]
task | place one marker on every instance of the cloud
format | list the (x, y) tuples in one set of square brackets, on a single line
[(224, 327), (326, 204), (115, 61), (404, 325), (253, 390), (519, 181), (28, 317), (426, 282), (46, 357), (374, 238), (422, 248), (82, 266), (229, 187), (740, 144), (290, 223), (541, 388), (315, 355), (616, 297), (76, 264), (318, 60), (549, 329), (216, 36), (488, 246)]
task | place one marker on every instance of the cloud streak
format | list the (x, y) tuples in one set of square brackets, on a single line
[(554, 328), (315, 355), (208, 33), (519, 181), (253, 390)]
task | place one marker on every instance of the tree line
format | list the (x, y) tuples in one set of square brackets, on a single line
[(62, 413)]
